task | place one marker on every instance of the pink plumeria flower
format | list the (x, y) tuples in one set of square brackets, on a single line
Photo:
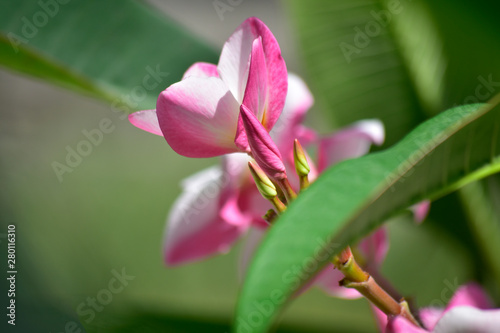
[(219, 205), (469, 310), (199, 116)]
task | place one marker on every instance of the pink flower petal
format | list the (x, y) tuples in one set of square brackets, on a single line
[(328, 280), (463, 314), (420, 210), (277, 72), (375, 246), (234, 65), (195, 229), (201, 69), (394, 325), (430, 317), (252, 203), (236, 167), (146, 120), (249, 200), (264, 151), (198, 117), (380, 318), (470, 294), (350, 142), (234, 60), (468, 319), (288, 127), (230, 211), (255, 93), (241, 140)]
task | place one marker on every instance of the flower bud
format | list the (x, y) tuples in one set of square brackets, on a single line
[(264, 184), (263, 149), (301, 166)]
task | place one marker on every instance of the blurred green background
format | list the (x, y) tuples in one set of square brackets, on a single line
[(109, 212)]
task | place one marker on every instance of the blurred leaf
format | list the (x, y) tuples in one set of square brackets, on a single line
[(485, 225), (441, 155), (352, 75), (473, 76), (120, 51), (397, 60), (421, 48), (468, 47)]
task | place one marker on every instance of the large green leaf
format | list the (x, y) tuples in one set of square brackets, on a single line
[(354, 197), (120, 51)]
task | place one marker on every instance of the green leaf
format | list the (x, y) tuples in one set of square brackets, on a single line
[(470, 77), (485, 224), (353, 75), (121, 51), (399, 61), (355, 197)]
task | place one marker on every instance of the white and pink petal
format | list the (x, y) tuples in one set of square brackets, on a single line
[(328, 280), (234, 65), (350, 142), (289, 125), (146, 120), (201, 69), (256, 91), (198, 117), (465, 319), (430, 316), (277, 72), (374, 247), (470, 294), (195, 228)]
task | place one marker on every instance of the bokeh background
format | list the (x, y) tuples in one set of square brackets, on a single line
[(109, 212)]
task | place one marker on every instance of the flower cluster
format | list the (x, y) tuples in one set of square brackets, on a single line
[(250, 110), (245, 108)]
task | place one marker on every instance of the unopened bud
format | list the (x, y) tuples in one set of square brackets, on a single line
[(264, 184), (263, 149), (301, 166)]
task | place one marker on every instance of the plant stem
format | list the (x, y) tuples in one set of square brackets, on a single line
[(304, 182), (357, 278), (280, 206), (290, 194), (270, 216)]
